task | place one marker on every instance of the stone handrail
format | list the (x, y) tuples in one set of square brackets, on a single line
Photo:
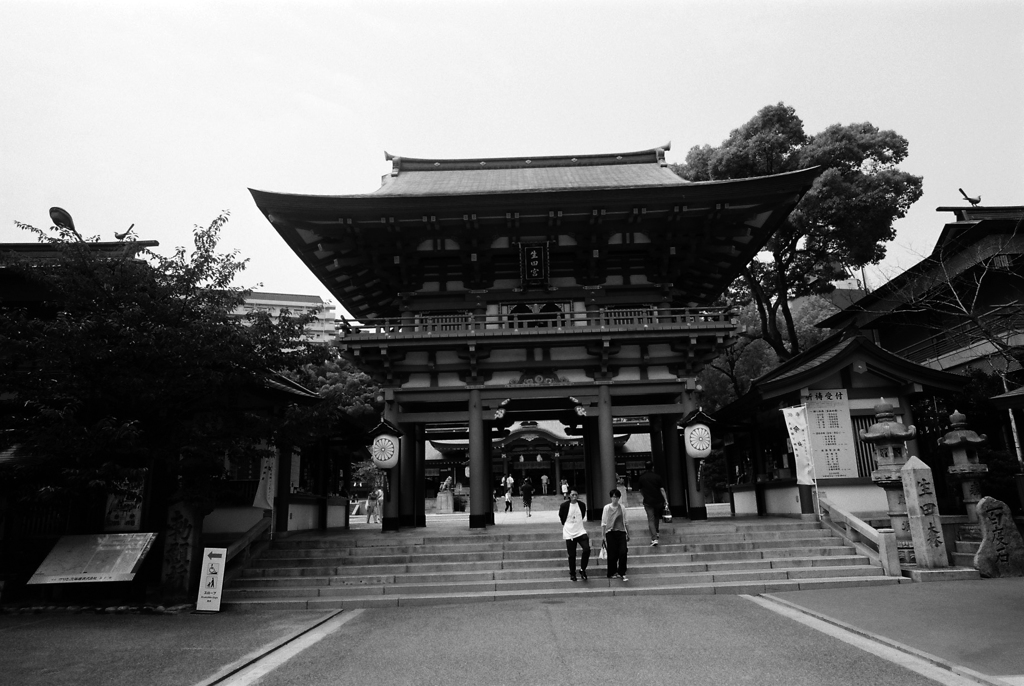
[(879, 545), (248, 538)]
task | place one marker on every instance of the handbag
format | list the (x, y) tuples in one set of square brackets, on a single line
[(667, 514), (603, 555)]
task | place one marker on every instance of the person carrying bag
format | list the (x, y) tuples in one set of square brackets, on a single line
[(614, 536)]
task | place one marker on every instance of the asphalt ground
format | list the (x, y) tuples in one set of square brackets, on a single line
[(646, 639), (969, 629)]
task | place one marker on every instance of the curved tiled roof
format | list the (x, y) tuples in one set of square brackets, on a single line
[(414, 176)]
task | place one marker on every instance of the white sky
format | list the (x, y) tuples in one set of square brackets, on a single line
[(162, 114)]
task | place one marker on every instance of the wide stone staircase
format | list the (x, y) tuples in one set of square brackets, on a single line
[(419, 567)]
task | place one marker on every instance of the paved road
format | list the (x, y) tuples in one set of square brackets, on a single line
[(642, 640)]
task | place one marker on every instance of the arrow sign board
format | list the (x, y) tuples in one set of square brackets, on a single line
[(211, 583)]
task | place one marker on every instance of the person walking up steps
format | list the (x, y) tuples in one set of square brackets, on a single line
[(573, 513), (508, 500), (652, 488), (615, 535), (526, 490)]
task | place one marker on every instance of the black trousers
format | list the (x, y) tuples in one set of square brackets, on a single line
[(570, 548), (615, 544)]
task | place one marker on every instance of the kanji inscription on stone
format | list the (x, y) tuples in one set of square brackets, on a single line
[(1002, 549), (923, 515)]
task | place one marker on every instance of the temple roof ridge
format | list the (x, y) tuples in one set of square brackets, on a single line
[(651, 155)]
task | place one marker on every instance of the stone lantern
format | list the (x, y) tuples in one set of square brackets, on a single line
[(964, 444), (888, 436)]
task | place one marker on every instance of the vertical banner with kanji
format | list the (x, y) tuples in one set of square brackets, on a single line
[(796, 425), (265, 491), (831, 433), (533, 264)]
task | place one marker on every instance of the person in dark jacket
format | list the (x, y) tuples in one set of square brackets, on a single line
[(526, 490), (573, 514), (652, 488)]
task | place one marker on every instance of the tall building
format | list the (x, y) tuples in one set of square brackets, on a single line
[(320, 331)]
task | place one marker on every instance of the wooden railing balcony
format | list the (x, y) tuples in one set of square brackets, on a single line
[(667, 319)]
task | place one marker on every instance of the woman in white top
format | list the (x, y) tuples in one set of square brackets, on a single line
[(573, 514), (615, 535)]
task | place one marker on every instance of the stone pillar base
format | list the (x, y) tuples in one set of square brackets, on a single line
[(478, 521)]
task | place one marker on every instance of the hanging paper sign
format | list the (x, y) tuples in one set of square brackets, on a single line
[(796, 425), (697, 439), (384, 451), (265, 491)]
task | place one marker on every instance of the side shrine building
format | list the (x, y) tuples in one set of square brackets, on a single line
[(579, 288)]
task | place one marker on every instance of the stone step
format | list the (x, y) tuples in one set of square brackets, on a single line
[(338, 558), (686, 529), (384, 569), (272, 568), (459, 577), (567, 589), (970, 547), (534, 543), (597, 577)]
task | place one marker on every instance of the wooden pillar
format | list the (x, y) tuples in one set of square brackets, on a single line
[(605, 480), (321, 484), (675, 470), (391, 519), (489, 479), (757, 462), (407, 458), (281, 501), (420, 487), (592, 463), (391, 515), (478, 472), (657, 445)]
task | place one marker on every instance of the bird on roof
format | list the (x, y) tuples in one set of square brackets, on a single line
[(974, 201), (62, 218), (126, 234)]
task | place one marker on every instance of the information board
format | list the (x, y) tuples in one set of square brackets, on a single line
[(831, 434), (212, 581), (94, 557)]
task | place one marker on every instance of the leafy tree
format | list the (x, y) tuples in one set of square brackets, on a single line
[(842, 223), (350, 408), (730, 374), (135, 361)]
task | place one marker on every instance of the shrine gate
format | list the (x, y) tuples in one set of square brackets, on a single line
[(576, 288)]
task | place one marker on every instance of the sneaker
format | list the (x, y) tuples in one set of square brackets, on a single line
[(572, 578), (624, 578), (654, 543), (583, 574)]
